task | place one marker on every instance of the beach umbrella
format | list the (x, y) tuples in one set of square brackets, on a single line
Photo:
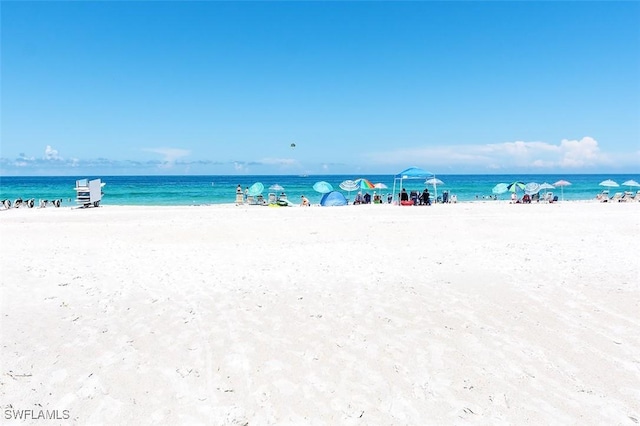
[(631, 183), (500, 188), (364, 183), (513, 186), (546, 185), (609, 184), (380, 185), (255, 189), (348, 185), (435, 182), (562, 184), (322, 187), (276, 188), (532, 188)]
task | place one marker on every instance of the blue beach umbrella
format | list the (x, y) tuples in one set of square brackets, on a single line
[(276, 188), (322, 187), (255, 189), (500, 188)]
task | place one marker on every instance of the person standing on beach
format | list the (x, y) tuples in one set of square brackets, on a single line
[(246, 194), (239, 199)]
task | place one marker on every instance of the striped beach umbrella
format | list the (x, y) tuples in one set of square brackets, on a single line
[(514, 186), (364, 183)]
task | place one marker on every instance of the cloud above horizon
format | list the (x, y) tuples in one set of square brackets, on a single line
[(577, 155), (568, 154), (171, 155)]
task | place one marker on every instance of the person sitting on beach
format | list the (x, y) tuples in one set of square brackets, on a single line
[(305, 201), (283, 196), (426, 197), (367, 198), (514, 198), (389, 198), (359, 199), (403, 195)]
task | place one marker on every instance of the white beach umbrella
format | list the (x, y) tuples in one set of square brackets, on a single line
[(546, 185), (631, 183), (562, 183), (435, 182), (609, 184), (380, 185)]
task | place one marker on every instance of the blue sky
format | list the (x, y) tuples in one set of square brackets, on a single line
[(359, 87)]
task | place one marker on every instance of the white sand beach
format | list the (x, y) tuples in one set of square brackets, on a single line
[(469, 313)]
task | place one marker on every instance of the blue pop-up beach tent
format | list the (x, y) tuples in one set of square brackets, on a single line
[(410, 173), (333, 198)]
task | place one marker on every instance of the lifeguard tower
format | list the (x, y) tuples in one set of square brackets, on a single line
[(88, 192)]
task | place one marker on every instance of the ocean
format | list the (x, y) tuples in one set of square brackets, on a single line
[(204, 190)]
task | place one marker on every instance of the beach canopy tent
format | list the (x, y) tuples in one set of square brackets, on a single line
[(410, 173), (333, 198)]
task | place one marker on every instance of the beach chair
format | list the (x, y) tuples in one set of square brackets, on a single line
[(637, 197), (548, 197), (627, 197), (271, 198), (603, 197), (616, 197)]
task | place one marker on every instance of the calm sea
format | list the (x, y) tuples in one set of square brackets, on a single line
[(198, 190)]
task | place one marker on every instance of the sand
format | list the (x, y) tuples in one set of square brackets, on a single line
[(483, 313)]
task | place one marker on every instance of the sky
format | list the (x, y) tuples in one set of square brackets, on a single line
[(219, 88)]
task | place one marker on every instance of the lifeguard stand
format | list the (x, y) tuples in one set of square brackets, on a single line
[(88, 192)]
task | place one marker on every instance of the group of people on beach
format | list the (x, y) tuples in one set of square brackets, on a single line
[(415, 198)]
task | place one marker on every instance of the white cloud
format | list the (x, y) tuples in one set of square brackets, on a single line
[(170, 154), (568, 154), (51, 154), (278, 161)]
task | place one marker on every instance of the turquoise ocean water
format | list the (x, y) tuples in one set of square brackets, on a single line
[(198, 190)]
